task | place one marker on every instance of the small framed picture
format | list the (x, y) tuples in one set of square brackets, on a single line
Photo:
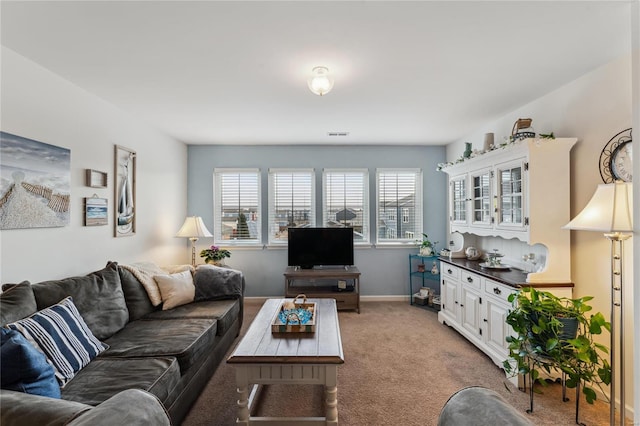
[(96, 178), (95, 211)]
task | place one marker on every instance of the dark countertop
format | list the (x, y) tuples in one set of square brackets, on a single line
[(513, 277)]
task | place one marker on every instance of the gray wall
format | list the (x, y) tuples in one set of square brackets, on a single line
[(384, 269)]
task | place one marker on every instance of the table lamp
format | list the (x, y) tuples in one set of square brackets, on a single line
[(193, 228)]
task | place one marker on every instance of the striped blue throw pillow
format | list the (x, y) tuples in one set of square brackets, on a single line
[(62, 335)]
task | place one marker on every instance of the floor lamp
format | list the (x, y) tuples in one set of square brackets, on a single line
[(610, 211), (193, 228)]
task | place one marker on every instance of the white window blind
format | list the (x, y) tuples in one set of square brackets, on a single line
[(399, 205), (237, 206), (345, 201), (291, 202)]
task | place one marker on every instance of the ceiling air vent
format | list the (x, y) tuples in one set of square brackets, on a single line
[(337, 133)]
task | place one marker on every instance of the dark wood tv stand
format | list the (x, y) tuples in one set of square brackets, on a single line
[(322, 283)]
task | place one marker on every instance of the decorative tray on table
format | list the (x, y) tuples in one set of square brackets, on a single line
[(295, 316)]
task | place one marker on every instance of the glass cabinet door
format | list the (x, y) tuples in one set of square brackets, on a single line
[(458, 200), (510, 195), (481, 213)]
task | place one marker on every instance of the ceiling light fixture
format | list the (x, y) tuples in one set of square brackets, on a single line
[(320, 82)]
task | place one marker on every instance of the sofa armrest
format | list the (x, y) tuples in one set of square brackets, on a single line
[(133, 407), (480, 407), (21, 409)]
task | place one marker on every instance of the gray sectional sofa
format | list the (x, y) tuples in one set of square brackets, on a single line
[(167, 355)]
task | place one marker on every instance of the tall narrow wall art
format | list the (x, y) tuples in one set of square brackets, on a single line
[(125, 191), (35, 183)]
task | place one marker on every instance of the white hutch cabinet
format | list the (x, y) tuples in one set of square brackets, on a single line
[(517, 191), (521, 190)]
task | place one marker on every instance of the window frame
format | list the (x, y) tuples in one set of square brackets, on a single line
[(418, 207), (366, 213), (272, 194), (218, 207)]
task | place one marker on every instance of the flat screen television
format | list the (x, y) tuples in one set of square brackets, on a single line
[(310, 247)]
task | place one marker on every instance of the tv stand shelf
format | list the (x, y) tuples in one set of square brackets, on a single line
[(323, 283)]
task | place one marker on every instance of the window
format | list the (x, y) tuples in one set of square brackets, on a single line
[(291, 202), (237, 206), (345, 201), (399, 195)]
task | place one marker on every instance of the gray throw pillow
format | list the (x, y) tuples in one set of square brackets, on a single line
[(17, 302), (136, 297), (98, 297)]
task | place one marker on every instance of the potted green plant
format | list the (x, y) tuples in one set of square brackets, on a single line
[(215, 255), (427, 248), (553, 332)]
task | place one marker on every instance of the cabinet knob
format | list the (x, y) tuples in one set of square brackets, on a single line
[(461, 305), (496, 290), (470, 279), (449, 271), (456, 302), (485, 320)]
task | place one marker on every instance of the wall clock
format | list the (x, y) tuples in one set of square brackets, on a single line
[(616, 158)]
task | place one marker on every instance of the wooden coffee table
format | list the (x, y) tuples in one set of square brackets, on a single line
[(263, 357)]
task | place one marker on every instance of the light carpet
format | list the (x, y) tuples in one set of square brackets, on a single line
[(401, 366)]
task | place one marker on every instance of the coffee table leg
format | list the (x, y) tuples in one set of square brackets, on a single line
[(331, 394), (242, 383)]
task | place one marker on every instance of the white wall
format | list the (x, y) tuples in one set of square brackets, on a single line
[(40, 105), (592, 108)]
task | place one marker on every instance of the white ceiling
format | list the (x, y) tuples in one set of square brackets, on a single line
[(420, 72)]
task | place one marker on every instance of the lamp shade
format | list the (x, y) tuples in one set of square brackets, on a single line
[(610, 210), (193, 227)]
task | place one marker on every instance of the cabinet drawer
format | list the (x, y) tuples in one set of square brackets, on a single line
[(498, 290), (446, 270), (346, 301), (471, 280)]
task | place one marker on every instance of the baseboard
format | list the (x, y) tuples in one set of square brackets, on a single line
[(388, 298)]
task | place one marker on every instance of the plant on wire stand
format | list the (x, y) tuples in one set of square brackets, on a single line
[(553, 332)]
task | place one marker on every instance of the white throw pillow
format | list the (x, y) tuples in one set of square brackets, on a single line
[(176, 289)]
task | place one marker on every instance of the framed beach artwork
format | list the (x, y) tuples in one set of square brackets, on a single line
[(95, 211), (35, 183), (125, 191)]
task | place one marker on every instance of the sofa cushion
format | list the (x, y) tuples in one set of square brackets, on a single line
[(17, 302), (225, 311), (135, 296), (176, 289), (105, 377), (186, 339), (25, 369), (61, 334), (98, 297)]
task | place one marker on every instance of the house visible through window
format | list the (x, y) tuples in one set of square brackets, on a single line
[(399, 195), (291, 202), (405, 215), (345, 201), (237, 206)]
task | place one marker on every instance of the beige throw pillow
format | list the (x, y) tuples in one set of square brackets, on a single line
[(176, 289)]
